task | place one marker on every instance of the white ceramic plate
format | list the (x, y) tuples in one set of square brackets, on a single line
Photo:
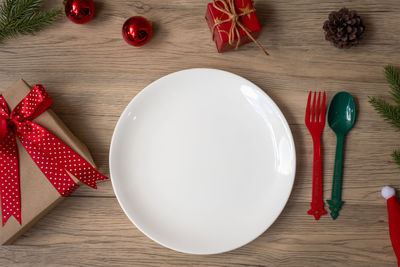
[(202, 161)]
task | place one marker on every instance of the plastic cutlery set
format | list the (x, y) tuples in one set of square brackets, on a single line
[(340, 117)]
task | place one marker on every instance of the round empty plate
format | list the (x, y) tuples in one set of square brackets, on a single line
[(202, 161)]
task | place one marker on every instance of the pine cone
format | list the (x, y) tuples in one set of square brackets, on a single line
[(343, 28)]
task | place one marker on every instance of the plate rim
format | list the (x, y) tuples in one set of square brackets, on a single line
[(292, 145)]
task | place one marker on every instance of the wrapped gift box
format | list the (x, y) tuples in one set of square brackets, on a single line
[(38, 195), (246, 16)]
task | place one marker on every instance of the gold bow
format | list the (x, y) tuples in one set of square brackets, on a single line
[(228, 8)]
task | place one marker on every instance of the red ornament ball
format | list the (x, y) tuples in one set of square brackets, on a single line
[(136, 31), (79, 11)]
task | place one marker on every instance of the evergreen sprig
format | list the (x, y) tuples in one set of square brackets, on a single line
[(393, 78), (24, 17), (396, 157), (390, 112)]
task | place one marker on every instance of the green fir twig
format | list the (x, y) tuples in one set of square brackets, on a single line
[(390, 112), (24, 17), (393, 78), (396, 157)]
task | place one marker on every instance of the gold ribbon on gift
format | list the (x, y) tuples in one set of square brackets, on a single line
[(228, 8)]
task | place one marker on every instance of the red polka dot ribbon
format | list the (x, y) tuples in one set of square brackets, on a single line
[(53, 158)]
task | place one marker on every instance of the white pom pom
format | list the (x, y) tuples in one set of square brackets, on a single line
[(388, 192)]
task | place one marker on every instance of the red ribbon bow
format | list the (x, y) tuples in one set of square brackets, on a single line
[(52, 157)]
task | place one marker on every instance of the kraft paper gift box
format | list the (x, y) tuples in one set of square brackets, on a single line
[(38, 196)]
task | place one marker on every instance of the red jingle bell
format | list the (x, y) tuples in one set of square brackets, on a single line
[(79, 11), (136, 31)]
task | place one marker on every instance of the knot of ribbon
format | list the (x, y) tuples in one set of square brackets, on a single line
[(54, 158), (228, 7)]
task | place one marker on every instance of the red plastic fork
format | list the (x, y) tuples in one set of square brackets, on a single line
[(315, 122)]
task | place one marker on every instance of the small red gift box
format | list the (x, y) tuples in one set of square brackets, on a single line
[(232, 23)]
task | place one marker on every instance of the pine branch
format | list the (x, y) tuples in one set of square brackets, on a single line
[(393, 78), (396, 157), (390, 113), (23, 17)]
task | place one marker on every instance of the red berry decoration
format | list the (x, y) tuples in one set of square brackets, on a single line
[(79, 11), (136, 31)]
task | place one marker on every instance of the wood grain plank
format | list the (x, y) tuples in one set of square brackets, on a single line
[(79, 225)]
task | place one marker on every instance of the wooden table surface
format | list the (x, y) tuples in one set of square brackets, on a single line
[(92, 74)]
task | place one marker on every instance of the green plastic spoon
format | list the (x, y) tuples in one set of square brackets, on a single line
[(341, 115)]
